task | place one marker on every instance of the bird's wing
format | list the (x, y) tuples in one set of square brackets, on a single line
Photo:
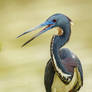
[(70, 61), (49, 76)]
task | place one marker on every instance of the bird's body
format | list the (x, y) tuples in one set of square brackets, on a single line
[(63, 72), (56, 83)]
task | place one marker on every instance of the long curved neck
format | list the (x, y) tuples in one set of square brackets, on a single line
[(57, 42), (61, 40)]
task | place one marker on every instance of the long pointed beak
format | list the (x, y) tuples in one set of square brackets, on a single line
[(49, 25)]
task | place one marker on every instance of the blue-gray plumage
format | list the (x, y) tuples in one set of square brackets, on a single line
[(63, 72)]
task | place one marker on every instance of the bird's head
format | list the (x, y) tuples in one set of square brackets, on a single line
[(56, 20), (59, 20)]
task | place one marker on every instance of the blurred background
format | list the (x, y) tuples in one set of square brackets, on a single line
[(22, 69)]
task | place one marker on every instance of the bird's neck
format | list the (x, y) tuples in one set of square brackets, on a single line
[(60, 40), (57, 42)]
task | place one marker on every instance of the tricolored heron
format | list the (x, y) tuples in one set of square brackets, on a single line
[(63, 72)]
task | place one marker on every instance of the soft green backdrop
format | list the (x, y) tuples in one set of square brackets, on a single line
[(22, 69)]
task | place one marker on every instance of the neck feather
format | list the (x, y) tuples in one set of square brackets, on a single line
[(61, 40), (56, 43)]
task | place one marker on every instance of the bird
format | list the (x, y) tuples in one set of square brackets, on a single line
[(63, 71)]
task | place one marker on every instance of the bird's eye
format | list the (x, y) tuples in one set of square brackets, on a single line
[(54, 20)]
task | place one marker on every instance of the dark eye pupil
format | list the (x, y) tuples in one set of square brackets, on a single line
[(54, 20)]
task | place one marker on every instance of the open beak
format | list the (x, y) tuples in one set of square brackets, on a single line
[(49, 25)]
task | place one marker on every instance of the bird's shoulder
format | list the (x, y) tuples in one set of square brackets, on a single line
[(68, 56), (67, 53)]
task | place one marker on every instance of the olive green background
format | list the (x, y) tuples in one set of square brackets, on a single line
[(22, 69)]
